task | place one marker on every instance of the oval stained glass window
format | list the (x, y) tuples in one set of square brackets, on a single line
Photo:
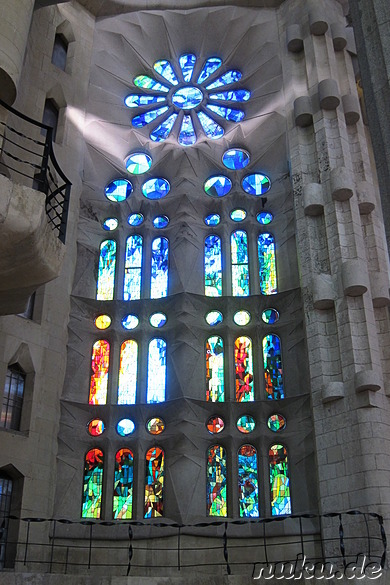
[(110, 224), (235, 159), (135, 219), (161, 221), (215, 425), (118, 190), (265, 217), (256, 184), (276, 423), (155, 426), (246, 424), (242, 318), (130, 322), (158, 320), (103, 321), (187, 98), (155, 188), (238, 214), (270, 316), (218, 186), (96, 427), (125, 427), (213, 318), (212, 219), (138, 163)]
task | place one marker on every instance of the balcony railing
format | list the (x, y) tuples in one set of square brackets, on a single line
[(27, 157)]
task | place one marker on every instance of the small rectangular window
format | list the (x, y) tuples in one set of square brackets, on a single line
[(11, 411), (50, 116), (60, 50)]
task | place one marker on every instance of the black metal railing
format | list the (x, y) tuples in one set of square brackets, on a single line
[(27, 156)]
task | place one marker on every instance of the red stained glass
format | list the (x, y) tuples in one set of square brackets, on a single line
[(99, 378), (244, 369)]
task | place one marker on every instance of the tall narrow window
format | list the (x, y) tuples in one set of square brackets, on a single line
[(11, 411), (93, 484), (244, 369), (216, 481), (159, 271), (123, 485), (127, 383), (273, 371), (213, 266), (157, 364), (60, 50), (106, 271), (5, 510), (154, 483), (240, 268), (267, 264), (215, 391), (50, 116), (133, 266), (99, 378), (247, 482), (279, 481)]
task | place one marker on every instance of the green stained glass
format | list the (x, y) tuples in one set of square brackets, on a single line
[(106, 271), (267, 264), (215, 390), (246, 424), (279, 481), (276, 423), (213, 266), (216, 481), (138, 163), (247, 482), (265, 217), (273, 370), (218, 186), (270, 316), (238, 214), (147, 82), (93, 484), (256, 184), (240, 266), (118, 190), (123, 485), (243, 358), (154, 483)]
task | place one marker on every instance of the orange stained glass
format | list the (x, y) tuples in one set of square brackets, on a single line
[(96, 427), (99, 377), (215, 425), (155, 426)]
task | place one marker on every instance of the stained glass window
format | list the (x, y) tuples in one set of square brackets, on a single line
[(93, 484), (133, 265), (227, 113), (270, 316), (215, 425), (279, 481), (99, 378), (265, 217), (187, 135), (127, 383), (161, 221), (210, 66), (125, 427), (238, 214), (136, 100), (215, 391), (246, 424), (242, 318), (247, 482), (110, 224), (213, 266), (118, 190), (147, 117), (217, 186), (96, 427), (135, 219), (240, 264), (154, 483), (123, 485), (164, 68), (187, 98), (244, 369), (147, 82), (157, 364), (226, 79), (158, 320), (130, 322), (273, 371), (155, 426), (212, 219), (256, 184), (235, 158), (187, 64), (155, 188), (106, 271), (214, 318), (138, 163), (103, 321), (276, 423), (216, 481), (210, 127), (159, 272), (162, 131), (267, 264)]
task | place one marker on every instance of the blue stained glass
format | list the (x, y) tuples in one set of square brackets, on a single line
[(209, 67), (212, 219), (135, 219), (226, 79), (157, 361), (240, 269), (234, 95), (213, 266), (159, 271), (267, 264), (187, 135), (187, 64), (213, 318), (110, 224), (138, 163), (265, 217), (135, 101), (162, 131), (147, 117), (106, 271), (125, 427), (210, 127), (187, 98), (118, 190), (238, 214), (155, 188), (247, 482), (147, 82), (270, 316), (133, 265), (161, 221), (279, 481), (235, 159), (273, 368), (130, 322), (165, 69), (227, 113), (256, 184), (217, 186), (158, 319)]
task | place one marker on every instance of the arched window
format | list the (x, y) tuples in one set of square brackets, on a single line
[(240, 264), (5, 510), (247, 482), (127, 383), (106, 271), (273, 371), (133, 267), (213, 266), (244, 369), (267, 264), (157, 364), (11, 410), (93, 484), (99, 379), (159, 269), (279, 481), (216, 481), (154, 483), (123, 485), (215, 391)]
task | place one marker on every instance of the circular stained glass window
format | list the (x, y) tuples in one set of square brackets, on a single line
[(246, 424), (110, 224), (217, 186), (213, 318), (135, 219), (158, 320), (138, 163), (103, 321), (265, 217), (155, 188), (96, 427), (270, 316), (256, 184), (276, 423), (161, 221), (212, 219), (118, 190), (187, 98), (235, 159), (215, 425), (125, 427), (155, 426), (238, 214), (130, 321), (242, 318)]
